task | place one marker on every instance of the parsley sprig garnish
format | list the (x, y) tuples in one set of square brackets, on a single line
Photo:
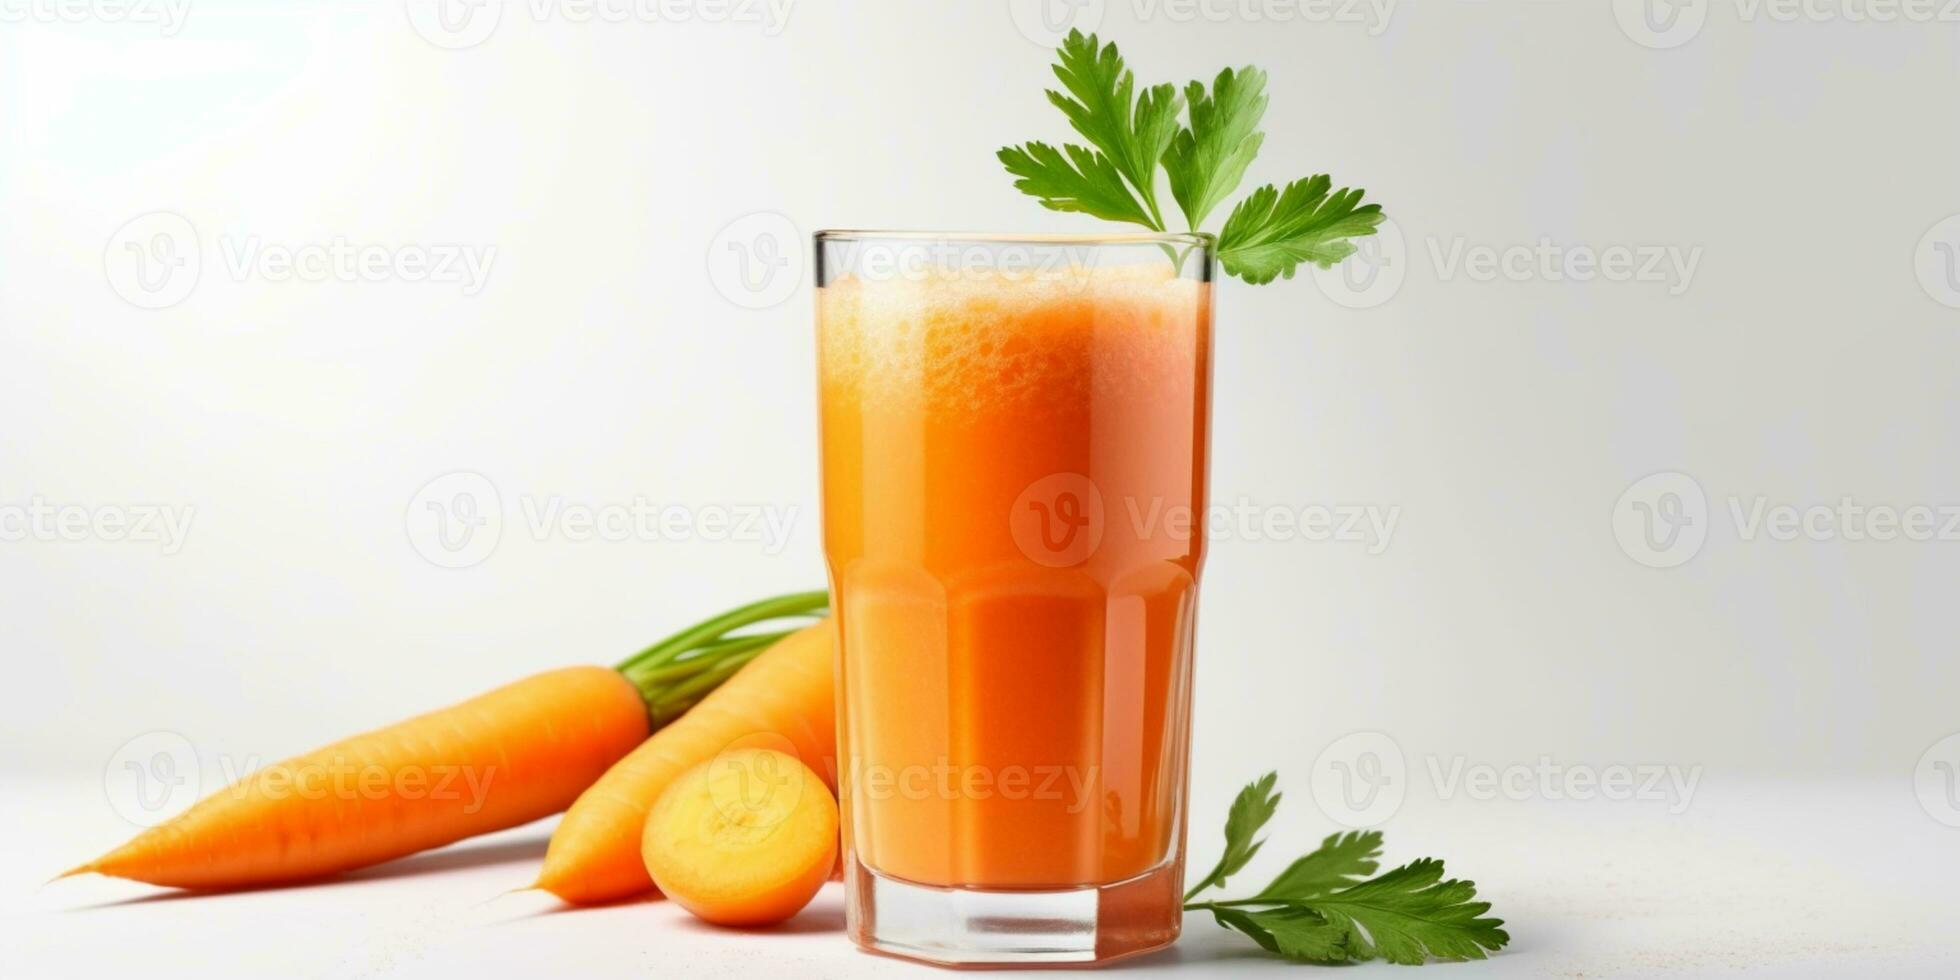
[(1324, 908), (1131, 133)]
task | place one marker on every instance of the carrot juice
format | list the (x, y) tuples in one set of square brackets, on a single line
[(1014, 457)]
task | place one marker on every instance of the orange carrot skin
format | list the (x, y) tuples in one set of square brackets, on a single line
[(523, 751), (783, 699)]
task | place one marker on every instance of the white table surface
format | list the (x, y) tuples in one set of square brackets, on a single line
[(1765, 878)]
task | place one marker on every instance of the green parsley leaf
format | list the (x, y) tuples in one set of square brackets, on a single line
[(1410, 915), (1083, 181), (1254, 805), (1318, 910), (1271, 232), (1207, 160), (1132, 130), (1293, 933), (1340, 861)]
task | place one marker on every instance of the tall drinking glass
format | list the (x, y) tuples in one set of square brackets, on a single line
[(1014, 474)]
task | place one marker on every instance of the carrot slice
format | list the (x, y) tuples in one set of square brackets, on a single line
[(784, 700), (744, 839)]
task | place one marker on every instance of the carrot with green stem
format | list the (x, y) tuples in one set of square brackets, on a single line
[(503, 758), (784, 700)]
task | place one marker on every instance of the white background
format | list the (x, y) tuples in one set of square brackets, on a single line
[(611, 353)]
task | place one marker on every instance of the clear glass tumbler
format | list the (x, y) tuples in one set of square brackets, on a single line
[(1015, 436)]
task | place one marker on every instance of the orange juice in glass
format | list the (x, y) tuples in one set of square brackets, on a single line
[(1014, 468)]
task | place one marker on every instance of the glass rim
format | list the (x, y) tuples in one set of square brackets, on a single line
[(1195, 238)]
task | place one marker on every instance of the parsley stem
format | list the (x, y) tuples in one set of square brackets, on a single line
[(1209, 880), (1150, 201)]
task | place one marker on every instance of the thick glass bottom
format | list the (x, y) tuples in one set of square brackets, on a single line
[(991, 927)]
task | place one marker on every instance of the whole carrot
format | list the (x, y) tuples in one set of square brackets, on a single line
[(784, 700), (507, 757)]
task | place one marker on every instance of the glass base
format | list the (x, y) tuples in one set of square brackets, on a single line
[(993, 927)]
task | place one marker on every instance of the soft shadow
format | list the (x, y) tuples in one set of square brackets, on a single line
[(825, 913), (807, 922), (453, 858), (1183, 955), (560, 907)]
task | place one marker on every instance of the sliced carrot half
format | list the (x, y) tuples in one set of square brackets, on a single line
[(744, 839)]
